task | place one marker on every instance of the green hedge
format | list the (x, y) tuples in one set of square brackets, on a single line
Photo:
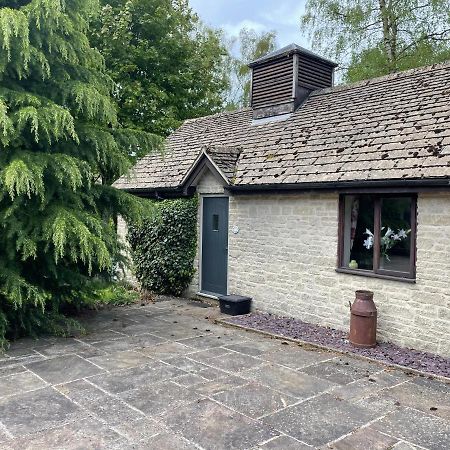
[(164, 247)]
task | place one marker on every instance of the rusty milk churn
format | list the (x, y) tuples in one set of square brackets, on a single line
[(363, 320)]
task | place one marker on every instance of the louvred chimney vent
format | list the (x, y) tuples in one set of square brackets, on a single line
[(282, 80)]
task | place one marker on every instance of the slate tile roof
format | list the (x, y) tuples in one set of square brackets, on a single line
[(225, 158), (389, 128)]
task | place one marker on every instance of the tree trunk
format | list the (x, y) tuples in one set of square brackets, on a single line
[(389, 34)]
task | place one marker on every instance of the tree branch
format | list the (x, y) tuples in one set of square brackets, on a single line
[(431, 36)]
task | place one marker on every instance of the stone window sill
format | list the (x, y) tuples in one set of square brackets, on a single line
[(370, 274)]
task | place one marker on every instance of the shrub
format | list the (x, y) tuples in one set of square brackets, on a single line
[(117, 293), (164, 247)]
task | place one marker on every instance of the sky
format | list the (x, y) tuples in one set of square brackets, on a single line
[(282, 16)]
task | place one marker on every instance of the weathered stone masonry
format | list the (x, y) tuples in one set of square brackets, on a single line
[(284, 256), (127, 272)]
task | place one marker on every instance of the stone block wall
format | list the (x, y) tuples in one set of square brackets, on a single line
[(285, 254), (122, 231), (209, 184)]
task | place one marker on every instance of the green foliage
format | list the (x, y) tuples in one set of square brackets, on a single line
[(118, 294), (378, 37), (61, 146), (167, 66), (164, 247), (106, 293), (251, 46), (34, 322), (3, 331)]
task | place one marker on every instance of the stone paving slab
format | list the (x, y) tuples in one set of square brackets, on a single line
[(214, 426), (163, 376), (416, 427), (19, 383), (4, 435), (341, 371), (140, 431), (63, 346), (212, 373), (86, 434), (291, 382), (158, 398), (207, 341), (363, 439), (136, 377), (11, 370), (254, 400), (63, 368), (165, 350), (128, 343), (284, 443), (186, 364), (255, 348), (35, 411), (319, 420), (421, 398), (221, 385), (211, 353), (235, 362), (370, 385), (11, 364), (188, 380), (402, 445), (295, 357), (102, 405), (166, 441), (104, 335), (121, 360)]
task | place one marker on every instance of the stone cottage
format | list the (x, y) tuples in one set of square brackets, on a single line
[(316, 191)]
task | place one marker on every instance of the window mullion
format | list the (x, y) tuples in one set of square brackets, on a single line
[(341, 231), (376, 234), (413, 237)]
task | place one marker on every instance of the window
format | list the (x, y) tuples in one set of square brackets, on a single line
[(377, 235), (215, 222)]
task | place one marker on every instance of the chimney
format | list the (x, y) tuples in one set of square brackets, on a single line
[(282, 80)]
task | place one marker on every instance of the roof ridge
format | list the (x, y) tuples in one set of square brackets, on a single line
[(382, 78)]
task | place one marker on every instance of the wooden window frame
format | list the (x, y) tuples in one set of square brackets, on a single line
[(376, 272)]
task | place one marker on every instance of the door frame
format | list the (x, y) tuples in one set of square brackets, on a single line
[(200, 245)]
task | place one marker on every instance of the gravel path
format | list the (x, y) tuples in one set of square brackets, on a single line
[(335, 339)]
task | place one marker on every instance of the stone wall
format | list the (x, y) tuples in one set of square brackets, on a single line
[(209, 184), (127, 273), (285, 254)]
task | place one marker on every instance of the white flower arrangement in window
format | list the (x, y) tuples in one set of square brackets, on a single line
[(388, 241)]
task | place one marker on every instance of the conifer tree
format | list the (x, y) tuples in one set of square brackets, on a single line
[(61, 146)]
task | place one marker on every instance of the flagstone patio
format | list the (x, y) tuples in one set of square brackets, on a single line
[(164, 376)]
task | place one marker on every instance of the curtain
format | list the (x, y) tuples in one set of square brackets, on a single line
[(354, 220)]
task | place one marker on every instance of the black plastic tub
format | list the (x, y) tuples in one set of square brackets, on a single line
[(235, 305)]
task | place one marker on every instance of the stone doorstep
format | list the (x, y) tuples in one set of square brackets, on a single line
[(311, 345)]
